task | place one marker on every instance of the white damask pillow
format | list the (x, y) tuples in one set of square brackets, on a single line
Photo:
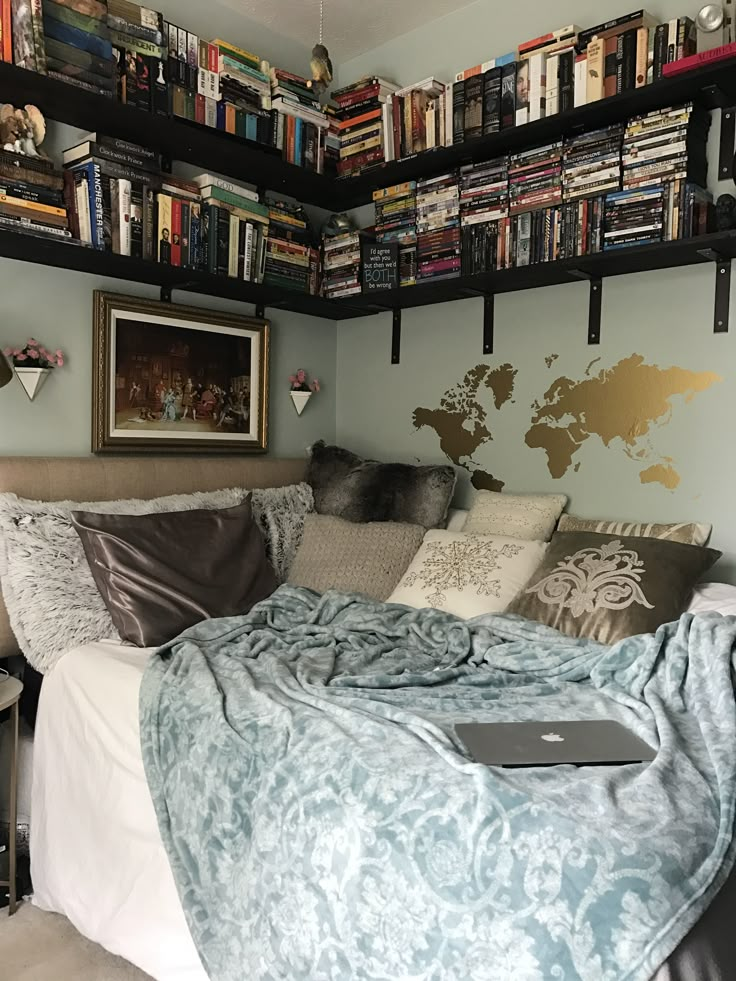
[(468, 575), (532, 517)]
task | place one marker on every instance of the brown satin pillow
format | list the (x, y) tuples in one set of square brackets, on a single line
[(608, 587), (161, 573)]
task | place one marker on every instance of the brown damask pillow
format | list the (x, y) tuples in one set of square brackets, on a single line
[(161, 573), (607, 587), (688, 532)]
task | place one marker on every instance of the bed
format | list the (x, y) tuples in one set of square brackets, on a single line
[(97, 849)]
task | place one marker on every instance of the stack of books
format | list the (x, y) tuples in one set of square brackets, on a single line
[(341, 265), (563, 232), (366, 129), (31, 196), (417, 118), (438, 228), (234, 229), (179, 224), (634, 218), (193, 76), (110, 192), (535, 178), (484, 203), (78, 45), (591, 163), (244, 106), (288, 249), (396, 221), (139, 49), (300, 121)]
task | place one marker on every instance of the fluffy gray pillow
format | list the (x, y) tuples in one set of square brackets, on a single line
[(50, 594), (354, 558), (346, 486)]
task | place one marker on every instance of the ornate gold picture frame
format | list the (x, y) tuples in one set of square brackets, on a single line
[(179, 379)]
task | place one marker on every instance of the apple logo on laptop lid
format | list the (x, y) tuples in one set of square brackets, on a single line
[(553, 737)]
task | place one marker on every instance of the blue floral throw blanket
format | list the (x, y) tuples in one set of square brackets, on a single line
[(323, 822)]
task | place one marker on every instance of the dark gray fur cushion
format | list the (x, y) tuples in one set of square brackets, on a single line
[(349, 487)]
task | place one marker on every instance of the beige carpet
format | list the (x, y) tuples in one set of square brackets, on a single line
[(37, 946)]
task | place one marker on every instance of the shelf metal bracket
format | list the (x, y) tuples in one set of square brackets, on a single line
[(166, 294), (594, 304), (488, 321), (726, 146), (722, 301), (396, 338), (260, 311)]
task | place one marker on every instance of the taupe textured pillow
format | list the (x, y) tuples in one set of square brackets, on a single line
[(161, 573), (687, 532), (354, 558), (529, 516), (607, 587), (346, 486)]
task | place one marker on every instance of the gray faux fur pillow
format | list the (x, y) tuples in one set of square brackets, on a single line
[(349, 487), (50, 594)]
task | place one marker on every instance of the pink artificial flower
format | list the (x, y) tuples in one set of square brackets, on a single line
[(315, 385), (32, 342), (301, 376), (59, 354), (21, 357), (8, 352), (33, 353), (59, 361)]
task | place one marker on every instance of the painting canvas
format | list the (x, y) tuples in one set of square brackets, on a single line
[(177, 378)]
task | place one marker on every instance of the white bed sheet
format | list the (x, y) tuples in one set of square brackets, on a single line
[(96, 853)]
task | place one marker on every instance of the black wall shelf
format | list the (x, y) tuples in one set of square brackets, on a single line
[(176, 138), (667, 255), (713, 86), (64, 255)]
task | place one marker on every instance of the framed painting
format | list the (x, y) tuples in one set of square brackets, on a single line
[(170, 378)]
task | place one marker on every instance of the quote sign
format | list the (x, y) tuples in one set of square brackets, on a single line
[(380, 267)]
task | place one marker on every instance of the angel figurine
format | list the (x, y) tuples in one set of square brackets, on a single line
[(22, 130)]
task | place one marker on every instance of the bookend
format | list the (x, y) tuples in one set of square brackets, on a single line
[(722, 302), (594, 304), (488, 318)]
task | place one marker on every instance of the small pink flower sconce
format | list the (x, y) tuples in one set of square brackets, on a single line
[(33, 364), (302, 390)]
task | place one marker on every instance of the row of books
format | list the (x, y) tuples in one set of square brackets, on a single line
[(342, 265), (119, 49), (562, 69), (438, 227)]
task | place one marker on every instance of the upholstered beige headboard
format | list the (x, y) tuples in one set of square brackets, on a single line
[(104, 479)]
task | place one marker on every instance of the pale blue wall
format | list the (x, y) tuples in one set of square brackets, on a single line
[(56, 306), (665, 316)]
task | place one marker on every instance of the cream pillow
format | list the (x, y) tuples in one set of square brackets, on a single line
[(529, 516), (468, 575)]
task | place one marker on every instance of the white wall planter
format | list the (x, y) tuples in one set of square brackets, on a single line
[(300, 400), (32, 379)]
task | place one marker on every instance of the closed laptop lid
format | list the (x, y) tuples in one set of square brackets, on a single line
[(589, 743)]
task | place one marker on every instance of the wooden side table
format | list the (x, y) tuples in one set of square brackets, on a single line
[(10, 691)]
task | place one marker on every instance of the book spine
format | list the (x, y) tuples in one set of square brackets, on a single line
[(508, 96), (125, 230), (642, 57), (233, 246), (611, 64), (581, 80), (458, 112), (175, 231), (660, 49), (628, 60), (537, 86), (672, 40), (492, 101), (163, 247), (566, 81), (521, 116), (116, 216), (222, 248), (186, 233), (248, 253), (596, 70), (38, 36), (6, 47), (136, 220), (96, 207), (81, 195)]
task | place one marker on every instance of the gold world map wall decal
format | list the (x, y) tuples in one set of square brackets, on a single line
[(623, 403)]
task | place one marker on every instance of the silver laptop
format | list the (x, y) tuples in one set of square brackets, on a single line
[(595, 743)]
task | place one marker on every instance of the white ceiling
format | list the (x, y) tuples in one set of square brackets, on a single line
[(350, 26)]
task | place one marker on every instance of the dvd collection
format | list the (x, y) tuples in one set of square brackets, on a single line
[(121, 50), (342, 264), (396, 221), (438, 227)]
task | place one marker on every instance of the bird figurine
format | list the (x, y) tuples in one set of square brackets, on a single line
[(321, 69)]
